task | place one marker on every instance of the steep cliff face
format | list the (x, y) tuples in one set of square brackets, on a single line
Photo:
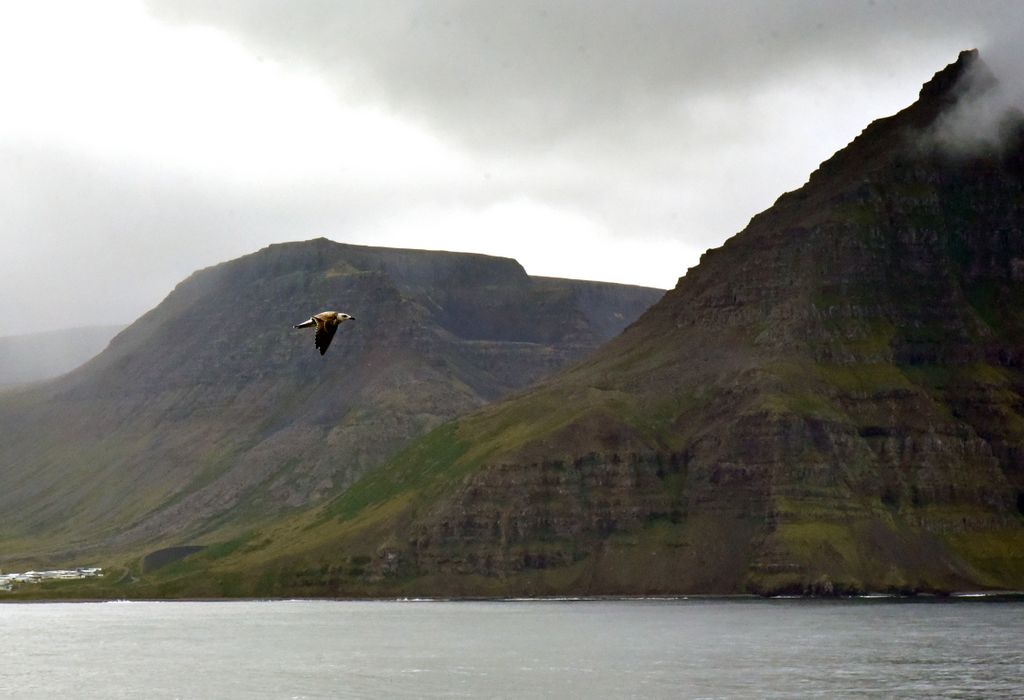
[(211, 412), (832, 401)]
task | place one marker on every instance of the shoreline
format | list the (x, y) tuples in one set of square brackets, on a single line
[(955, 597)]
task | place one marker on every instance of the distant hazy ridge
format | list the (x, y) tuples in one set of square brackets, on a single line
[(37, 356)]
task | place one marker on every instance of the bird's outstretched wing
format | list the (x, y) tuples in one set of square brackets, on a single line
[(324, 335)]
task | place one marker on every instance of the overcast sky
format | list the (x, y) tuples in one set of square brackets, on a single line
[(140, 141)]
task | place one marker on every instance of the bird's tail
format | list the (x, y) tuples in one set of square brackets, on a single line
[(306, 324)]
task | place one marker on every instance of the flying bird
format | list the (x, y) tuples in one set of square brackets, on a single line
[(326, 323)]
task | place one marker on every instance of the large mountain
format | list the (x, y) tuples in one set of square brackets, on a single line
[(211, 413), (38, 356), (832, 401)]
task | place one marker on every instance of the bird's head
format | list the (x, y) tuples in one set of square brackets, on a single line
[(346, 317)]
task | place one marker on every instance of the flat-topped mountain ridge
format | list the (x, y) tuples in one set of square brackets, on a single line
[(211, 412)]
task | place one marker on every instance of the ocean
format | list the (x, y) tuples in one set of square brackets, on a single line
[(690, 648)]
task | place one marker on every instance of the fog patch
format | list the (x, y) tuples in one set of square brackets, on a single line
[(987, 116)]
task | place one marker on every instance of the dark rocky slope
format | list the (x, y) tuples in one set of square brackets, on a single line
[(211, 413), (832, 401)]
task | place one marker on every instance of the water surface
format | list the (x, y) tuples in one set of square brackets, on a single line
[(614, 649)]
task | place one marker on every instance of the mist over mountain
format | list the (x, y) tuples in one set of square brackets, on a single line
[(833, 401), (211, 413), (986, 115)]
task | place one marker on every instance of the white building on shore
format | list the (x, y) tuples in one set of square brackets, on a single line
[(8, 581)]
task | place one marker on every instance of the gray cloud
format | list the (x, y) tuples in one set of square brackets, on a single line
[(630, 101), (535, 72), (651, 128)]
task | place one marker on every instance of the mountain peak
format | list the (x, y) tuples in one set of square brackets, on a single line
[(945, 82), (967, 83), (907, 134)]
